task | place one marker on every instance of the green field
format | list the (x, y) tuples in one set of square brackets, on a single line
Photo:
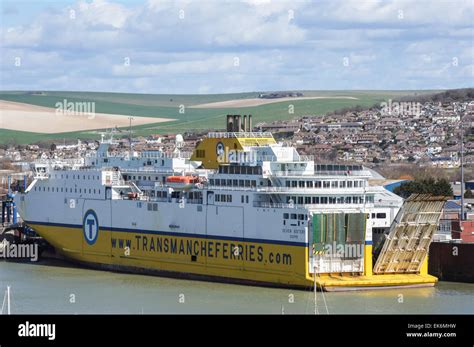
[(168, 106)]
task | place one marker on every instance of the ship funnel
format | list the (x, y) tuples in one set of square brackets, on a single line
[(235, 123), (230, 123)]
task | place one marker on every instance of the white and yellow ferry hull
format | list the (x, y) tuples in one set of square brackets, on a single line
[(176, 255), (203, 258)]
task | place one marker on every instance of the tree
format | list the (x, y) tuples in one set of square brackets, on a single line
[(468, 194), (440, 187)]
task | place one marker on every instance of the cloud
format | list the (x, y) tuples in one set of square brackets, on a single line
[(213, 46)]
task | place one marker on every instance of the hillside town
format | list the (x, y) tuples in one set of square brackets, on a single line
[(426, 134)]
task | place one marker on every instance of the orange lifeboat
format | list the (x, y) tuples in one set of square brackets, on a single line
[(182, 182)]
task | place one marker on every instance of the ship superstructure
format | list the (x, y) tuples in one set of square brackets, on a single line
[(242, 208)]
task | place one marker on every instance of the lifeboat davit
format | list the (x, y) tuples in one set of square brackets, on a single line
[(182, 182)]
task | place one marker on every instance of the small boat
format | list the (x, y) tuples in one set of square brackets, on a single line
[(182, 182)]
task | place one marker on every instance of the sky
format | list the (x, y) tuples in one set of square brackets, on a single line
[(212, 46)]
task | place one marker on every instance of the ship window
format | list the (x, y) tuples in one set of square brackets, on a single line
[(254, 183), (381, 215), (309, 184), (301, 216), (332, 199), (300, 200), (315, 199), (241, 183), (247, 183), (340, 200), (287, 184), (349, 184), (229, 183), (307, 200), (235, 183), (301, 184), (48, 189), (356, 184), (342, 184), (94, 188), (90, 190), (326, 184), (211, 181), (286, 215), (293, 216), (35, 188), (294, 184), (242, 199), (324, 200), (373, 215), (317, 184), (334, 184), (348, 200), (247, 199)]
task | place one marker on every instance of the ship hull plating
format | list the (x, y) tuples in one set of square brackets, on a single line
[(173, 255)]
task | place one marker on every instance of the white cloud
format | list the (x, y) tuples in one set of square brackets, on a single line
[(190, 46)]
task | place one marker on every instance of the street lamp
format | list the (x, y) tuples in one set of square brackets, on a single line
[(460, 111), (130, 132)]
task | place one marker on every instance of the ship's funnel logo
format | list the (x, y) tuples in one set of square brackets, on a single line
[(90, 226)]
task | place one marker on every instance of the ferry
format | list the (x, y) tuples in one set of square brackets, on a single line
[(242, 208)]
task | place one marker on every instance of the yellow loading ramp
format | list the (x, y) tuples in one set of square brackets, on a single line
[(403, 260)]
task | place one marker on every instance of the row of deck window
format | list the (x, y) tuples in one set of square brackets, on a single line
[(76, 176), (67, 190), (232, 183), (297, 216), (240, 170), (223, 198), (324, 184), (314, 200)]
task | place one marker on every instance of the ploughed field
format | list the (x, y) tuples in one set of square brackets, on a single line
[(27, 117)]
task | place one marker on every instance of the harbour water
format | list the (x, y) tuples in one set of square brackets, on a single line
[(54, 287)]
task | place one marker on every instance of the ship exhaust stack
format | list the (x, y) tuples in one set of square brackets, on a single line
[(230, 123), (238, 123), (235, 123)]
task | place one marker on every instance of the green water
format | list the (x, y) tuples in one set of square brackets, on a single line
[(51, 287)]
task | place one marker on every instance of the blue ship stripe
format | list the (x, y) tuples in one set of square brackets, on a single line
[(170, 233)]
